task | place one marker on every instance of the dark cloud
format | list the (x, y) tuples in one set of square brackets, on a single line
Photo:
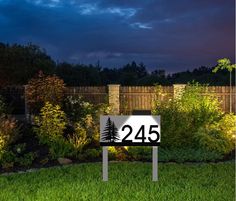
[(174, 35)]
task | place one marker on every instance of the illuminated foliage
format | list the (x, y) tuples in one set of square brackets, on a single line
[(44, 89), (224, 64), (196, 121)]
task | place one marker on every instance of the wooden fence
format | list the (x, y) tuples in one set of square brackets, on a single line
[(128, 98), (142, 97), (94, 95), (223, 95)]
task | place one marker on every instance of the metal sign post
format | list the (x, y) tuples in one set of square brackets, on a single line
[(154, 163), (105, 163)]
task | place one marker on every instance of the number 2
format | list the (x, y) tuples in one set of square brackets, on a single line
[(130, 131)]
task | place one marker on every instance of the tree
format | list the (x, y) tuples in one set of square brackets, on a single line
[(114, 133), (79, 75), (19, 63), (226, 64), (107, 132), (159, 73)]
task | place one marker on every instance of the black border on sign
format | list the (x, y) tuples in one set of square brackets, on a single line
[(129, 143)]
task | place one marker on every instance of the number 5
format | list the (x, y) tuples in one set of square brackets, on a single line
[(153, 132)]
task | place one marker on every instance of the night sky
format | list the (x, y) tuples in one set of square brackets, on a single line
[(173, 35)]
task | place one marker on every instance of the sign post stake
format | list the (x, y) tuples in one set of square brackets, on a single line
[(105, 163), (154, 163)]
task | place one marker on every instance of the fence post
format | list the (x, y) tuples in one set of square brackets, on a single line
[(178, 90), (114, 98)]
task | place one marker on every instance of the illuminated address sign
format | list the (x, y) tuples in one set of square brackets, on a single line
[(133, 130)]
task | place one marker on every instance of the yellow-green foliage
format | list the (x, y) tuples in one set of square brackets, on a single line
[(196, 121), (51, 125), (228, 125), (91, 127), (218, 136), (224, 64), (79, 139), (86, 132), (9, 131), (51, 122), (84, 117)]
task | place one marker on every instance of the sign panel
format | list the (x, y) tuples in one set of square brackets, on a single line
[(133, 130)]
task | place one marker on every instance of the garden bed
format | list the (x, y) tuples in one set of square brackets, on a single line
[(142, 154), (66, 129)]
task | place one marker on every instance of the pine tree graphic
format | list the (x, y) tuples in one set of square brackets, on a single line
[(114, 133), (110, 132), (107, 132)]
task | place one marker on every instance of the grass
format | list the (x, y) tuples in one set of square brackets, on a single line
[(127, 181)]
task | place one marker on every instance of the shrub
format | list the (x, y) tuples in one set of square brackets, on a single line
[(140, 153), (26, 160), (16, 154), (20, 148), (91, 154), (173, 125), (112, 153), (9, 132), (44, 89), (77, 109), (7, 159), (92, 128), (51, 130), (80, 138), (51, 125), (86, 134), (118, 153), (84, 118), (195, 121), (202, 108), (61, 148), (218, 136)]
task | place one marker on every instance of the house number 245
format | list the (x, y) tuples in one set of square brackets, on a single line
[(152, 136)]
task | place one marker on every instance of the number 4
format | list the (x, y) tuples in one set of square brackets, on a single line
[(141, 130)]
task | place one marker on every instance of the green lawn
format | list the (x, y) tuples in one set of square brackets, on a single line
[(127, 181)]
